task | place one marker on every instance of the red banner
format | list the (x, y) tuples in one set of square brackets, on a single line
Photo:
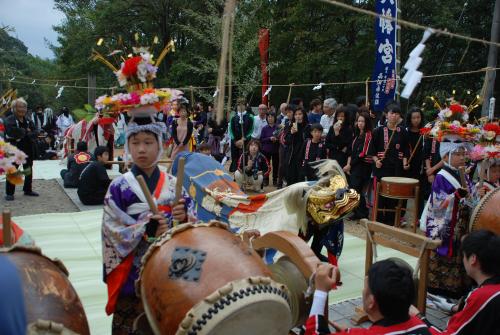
[(264, 60)]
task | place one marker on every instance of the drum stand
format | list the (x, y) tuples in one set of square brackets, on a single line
[(399, 208), (406, 242)]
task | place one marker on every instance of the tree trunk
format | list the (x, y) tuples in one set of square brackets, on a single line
[(492, 59)]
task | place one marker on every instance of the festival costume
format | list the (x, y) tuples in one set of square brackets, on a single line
[(317, 325), (480, 312), (338, 145), (76, 164), (393, 146), (447, 212), (64, 121), (361, 168)]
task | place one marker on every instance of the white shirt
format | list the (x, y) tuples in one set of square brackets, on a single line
[(258, 125), (326, 122), (64, 122)]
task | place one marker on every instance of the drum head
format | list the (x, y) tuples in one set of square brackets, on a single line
[(400, 180), (251, 306)]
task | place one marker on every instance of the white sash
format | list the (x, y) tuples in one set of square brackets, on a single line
[(453, 181), (139, 207)]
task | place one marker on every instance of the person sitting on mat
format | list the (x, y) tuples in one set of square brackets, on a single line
[(76, 164), (94, 180)]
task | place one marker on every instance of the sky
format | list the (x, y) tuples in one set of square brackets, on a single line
[(32, 21)]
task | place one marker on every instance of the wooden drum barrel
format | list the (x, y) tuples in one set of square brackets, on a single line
[(48, 293), (398, 187), (203, 279), (486, 215)]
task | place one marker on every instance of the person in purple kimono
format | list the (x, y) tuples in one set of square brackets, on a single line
[(129, 227), (446, 218)]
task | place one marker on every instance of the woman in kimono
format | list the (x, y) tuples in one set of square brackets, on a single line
[(129, 227)]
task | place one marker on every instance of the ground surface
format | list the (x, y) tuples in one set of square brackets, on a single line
[(52, 199)]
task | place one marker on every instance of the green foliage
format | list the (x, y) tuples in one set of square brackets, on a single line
[(311, 42), (86, 113)]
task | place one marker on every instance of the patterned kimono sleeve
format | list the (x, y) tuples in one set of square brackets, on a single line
[(121, 233), (441, 206), (192, 215)]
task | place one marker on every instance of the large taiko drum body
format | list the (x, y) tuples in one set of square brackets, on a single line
[(486, 215), (50, 299), (398, 187), (203, 279)]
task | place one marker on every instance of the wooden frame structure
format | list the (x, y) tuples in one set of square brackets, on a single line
[(413, 244)]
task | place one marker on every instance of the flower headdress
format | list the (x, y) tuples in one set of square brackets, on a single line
[(136, 73), (488, 147), (452, 129)]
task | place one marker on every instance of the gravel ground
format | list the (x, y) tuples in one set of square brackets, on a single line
[(52, 199)]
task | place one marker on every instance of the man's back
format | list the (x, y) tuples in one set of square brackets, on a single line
[(317, 325)]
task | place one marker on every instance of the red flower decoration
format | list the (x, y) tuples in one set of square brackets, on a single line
[(492, 127), (425, 131), (2, 127), (456, 108), (130, 66)]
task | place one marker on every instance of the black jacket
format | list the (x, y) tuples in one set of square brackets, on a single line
[(93, 180), (22, 134)]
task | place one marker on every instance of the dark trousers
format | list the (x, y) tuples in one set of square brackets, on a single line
[(96, 198), (235, 155), (359, 182), (275, 158), (10, 189), (281, 168)]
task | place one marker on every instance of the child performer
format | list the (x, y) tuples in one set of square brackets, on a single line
[(492, 178), (129, 227), (359, 163), (314, 149), (390, 152), (447, 216)]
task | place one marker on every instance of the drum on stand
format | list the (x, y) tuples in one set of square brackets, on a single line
[(52, 304), (398, 187), (203, 279), (486, 214)]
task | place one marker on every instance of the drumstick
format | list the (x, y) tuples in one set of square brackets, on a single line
[(414, 150), (147, 194), (178, 184), (388, 144), (461, 171)]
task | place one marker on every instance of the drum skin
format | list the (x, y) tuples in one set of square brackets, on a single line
[(486, 214), (398, 187), (48, 292), (227, 259)]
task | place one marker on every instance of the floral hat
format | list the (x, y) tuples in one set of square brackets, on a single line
[(136, 74), (488, 147), (452, 130)]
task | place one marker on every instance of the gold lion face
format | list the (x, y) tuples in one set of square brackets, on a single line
[(332, 201)]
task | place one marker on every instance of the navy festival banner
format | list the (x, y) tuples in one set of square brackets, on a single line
[(383, 87)]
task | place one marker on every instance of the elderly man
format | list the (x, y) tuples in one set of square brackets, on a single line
[(21, 132), (329, 107), (259, 122)]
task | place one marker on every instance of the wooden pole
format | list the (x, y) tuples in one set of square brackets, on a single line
[(367, 98), (147, 194), (489, 78), (7, 229), (289, 94), (178, 185)]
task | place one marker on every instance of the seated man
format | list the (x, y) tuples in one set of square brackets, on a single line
[(94, 181), (388, 293), (252, 168), (481, 257), (76, 164)]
